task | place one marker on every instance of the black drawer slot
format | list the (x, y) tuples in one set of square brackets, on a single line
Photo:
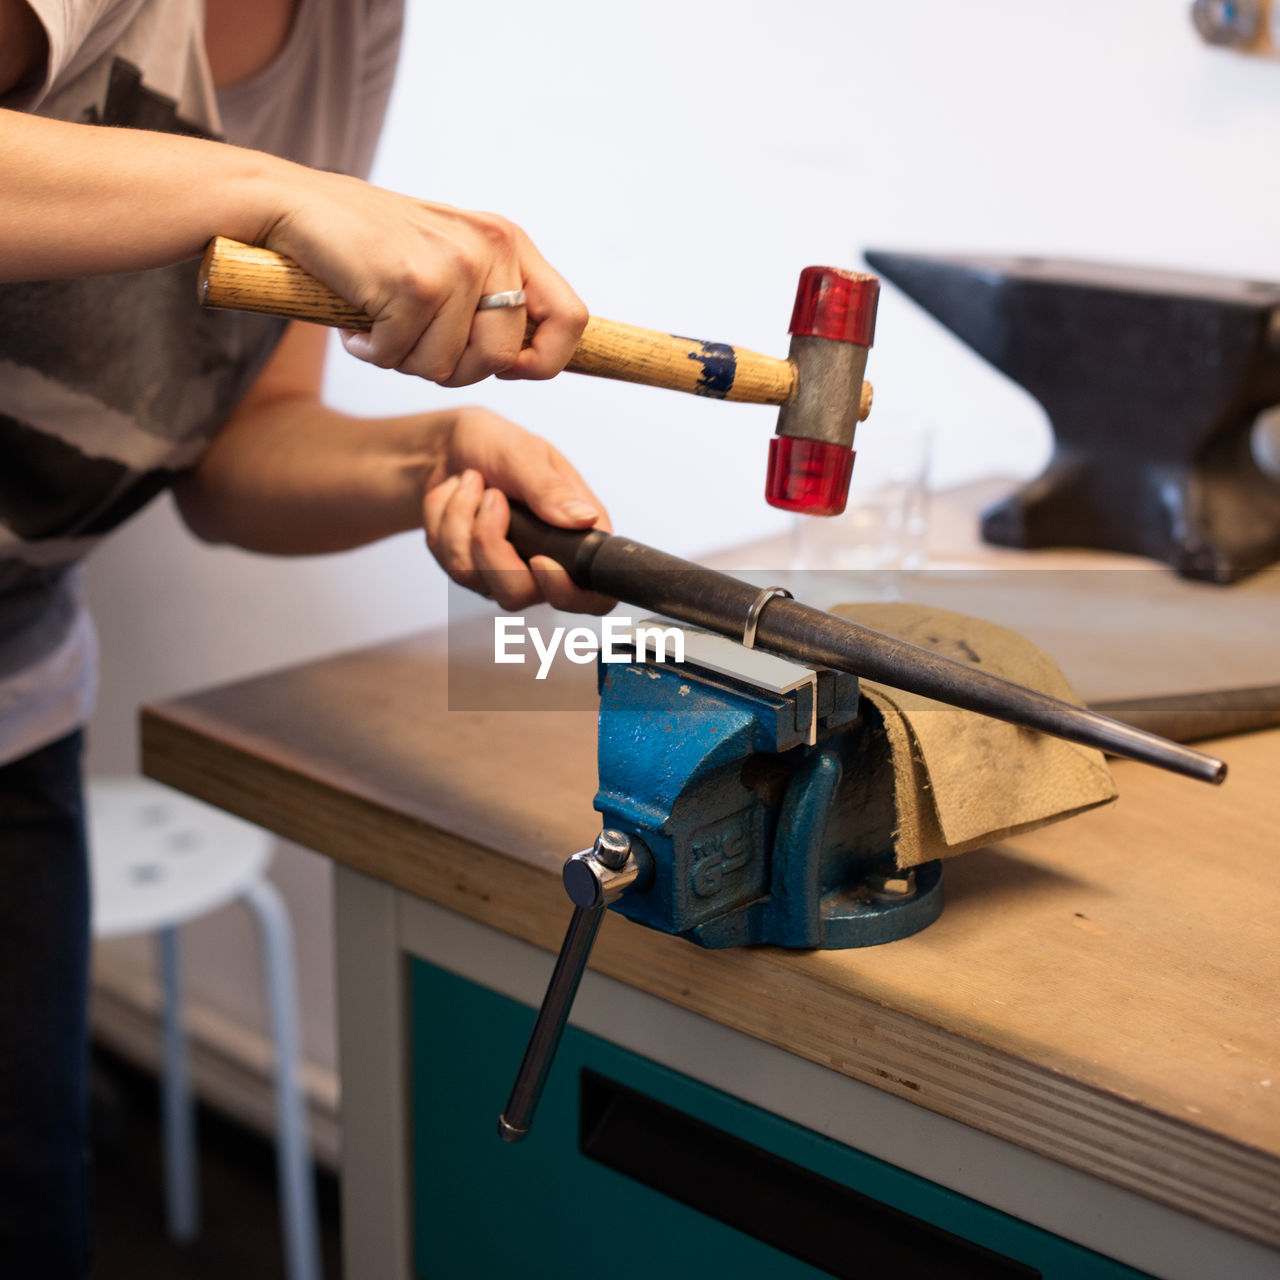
[(782, 1204)]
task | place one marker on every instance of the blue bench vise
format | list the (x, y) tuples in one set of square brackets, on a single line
[(763, 802), (745, 799)]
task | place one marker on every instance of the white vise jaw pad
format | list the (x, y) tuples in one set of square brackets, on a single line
[(652, 641)]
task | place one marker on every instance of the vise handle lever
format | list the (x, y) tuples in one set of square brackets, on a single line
[(245, 277), (593, 878)]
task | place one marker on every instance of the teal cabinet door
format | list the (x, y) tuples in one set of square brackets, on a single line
[(635, 1172)]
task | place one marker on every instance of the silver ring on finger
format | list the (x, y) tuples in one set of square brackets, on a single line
[(498, 301)]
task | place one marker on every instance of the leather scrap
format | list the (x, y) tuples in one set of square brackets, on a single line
[(963, 780)]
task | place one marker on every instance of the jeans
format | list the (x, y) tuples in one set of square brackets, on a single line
[(44, 954)]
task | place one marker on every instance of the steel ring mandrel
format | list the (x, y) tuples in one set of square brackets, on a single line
[(665, 584)]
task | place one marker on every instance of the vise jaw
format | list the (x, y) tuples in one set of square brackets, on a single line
[(753, 784)]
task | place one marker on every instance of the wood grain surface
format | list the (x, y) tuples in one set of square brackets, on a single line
[(1105, 992)]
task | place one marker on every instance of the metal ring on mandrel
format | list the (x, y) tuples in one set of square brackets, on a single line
[(757, 608), (497, 301)]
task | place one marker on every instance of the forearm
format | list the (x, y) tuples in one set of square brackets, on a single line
[(294, 477), (80, 199), (289, 476)]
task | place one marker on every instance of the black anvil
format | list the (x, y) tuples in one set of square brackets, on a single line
[(1152, 381)]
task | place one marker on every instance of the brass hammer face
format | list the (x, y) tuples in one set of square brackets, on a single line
[(832, 327)]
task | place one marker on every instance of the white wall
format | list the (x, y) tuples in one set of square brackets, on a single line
[(680, 163)]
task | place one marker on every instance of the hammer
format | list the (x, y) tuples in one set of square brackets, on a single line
[(819, 387)]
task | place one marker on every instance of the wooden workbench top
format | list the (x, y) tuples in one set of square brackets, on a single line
[(1105, 992)]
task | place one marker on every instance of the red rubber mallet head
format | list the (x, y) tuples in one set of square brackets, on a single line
[(811, 455)]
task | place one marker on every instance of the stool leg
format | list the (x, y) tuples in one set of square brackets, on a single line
[(293, 1155), (177, 1106)]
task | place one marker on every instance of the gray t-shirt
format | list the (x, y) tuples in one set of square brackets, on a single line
[(111, 385)]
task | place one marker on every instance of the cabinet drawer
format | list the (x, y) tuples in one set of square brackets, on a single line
[(635, 1171)]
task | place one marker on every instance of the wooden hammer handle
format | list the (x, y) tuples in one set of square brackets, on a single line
[(244, 277)]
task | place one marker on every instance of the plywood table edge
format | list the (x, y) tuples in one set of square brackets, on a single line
[(1114, 1138)]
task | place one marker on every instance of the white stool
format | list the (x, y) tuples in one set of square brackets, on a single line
[(159, 859)]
